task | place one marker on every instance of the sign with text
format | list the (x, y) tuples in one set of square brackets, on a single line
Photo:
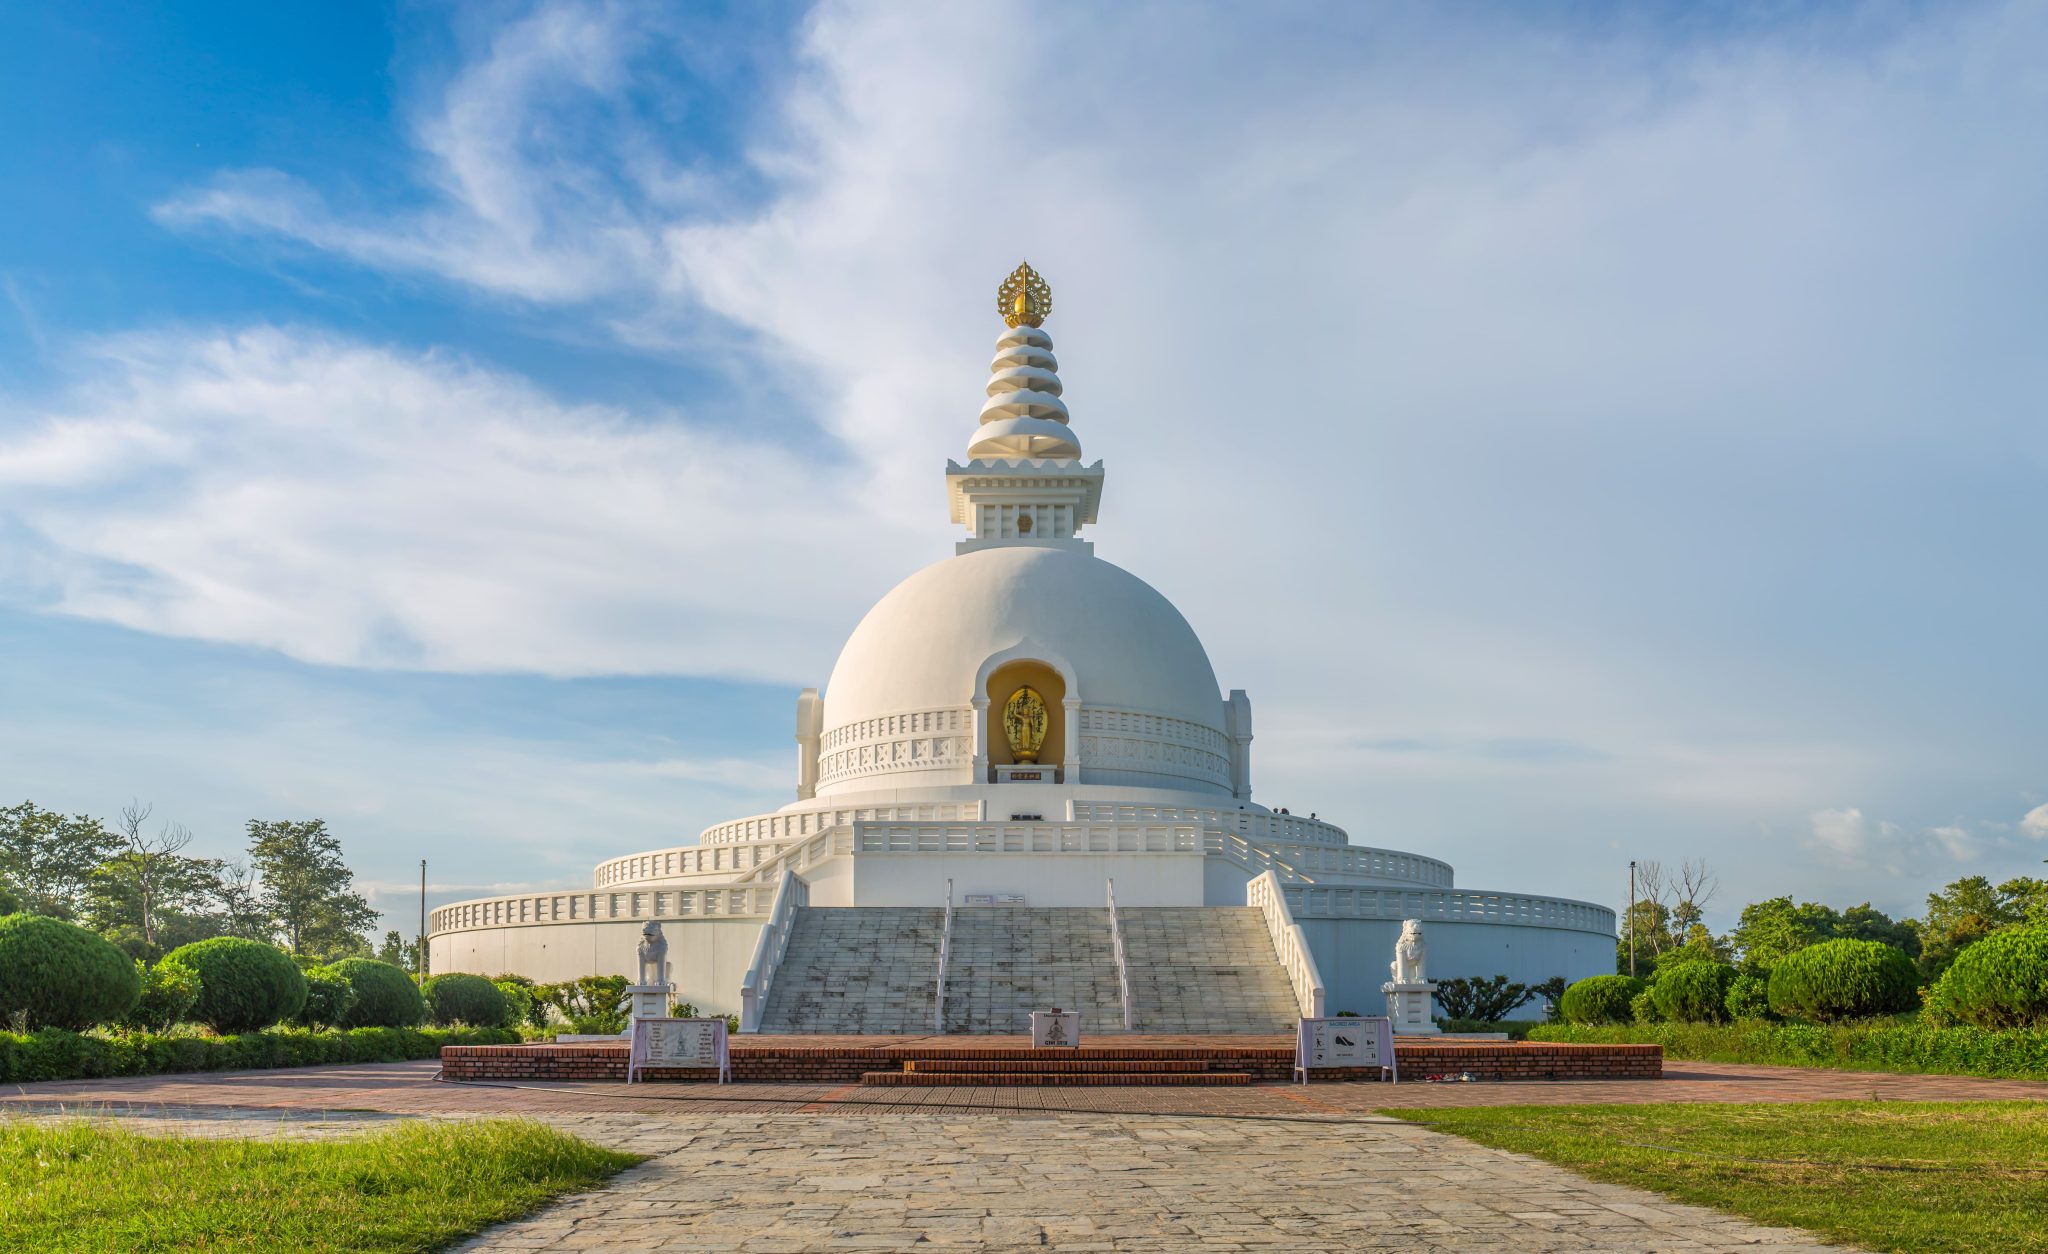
[(1055, 1029), (679, 1043), (1345, 1042)]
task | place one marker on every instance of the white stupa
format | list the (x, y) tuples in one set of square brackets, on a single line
[(1019, 725)]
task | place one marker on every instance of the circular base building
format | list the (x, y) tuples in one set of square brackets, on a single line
[(1022, 787)]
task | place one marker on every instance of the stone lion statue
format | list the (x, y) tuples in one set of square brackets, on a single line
[(653, 954), (1409, 952)]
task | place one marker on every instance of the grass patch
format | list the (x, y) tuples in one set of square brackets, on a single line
[(1914, 1177), (77, 1186)]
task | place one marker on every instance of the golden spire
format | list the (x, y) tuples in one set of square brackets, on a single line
[(1024, 297)]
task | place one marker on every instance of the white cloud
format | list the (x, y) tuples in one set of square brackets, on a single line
[(1850, 838), (2035, 824), (359, 506)]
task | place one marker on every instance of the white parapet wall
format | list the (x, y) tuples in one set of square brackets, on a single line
[(708, 958)]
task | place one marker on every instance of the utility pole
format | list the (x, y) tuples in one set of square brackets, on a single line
[(419, 951), (1631, 917)]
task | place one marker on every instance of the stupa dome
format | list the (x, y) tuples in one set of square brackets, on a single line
[(933, 642)]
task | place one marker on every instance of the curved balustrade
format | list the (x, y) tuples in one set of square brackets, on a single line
[(1450, 905), (535, 909)]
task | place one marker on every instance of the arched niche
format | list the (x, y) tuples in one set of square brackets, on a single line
[(1002, 683)]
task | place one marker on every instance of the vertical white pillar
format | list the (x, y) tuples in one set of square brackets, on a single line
[(810, 721), (1070, 770), (981, 738)]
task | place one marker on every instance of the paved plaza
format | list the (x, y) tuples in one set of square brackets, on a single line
[(763, 1168)]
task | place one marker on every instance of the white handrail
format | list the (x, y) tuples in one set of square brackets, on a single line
[(1123, 967), (1290, 943), (945, 951), (792, 894)]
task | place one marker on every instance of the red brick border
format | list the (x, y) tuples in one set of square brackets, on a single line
[(846, 1064)]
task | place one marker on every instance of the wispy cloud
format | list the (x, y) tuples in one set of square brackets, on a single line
[(360, 506)]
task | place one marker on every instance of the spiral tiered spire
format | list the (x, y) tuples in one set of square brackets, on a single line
[(1024, 416)]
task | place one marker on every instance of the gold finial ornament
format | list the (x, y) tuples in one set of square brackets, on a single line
[(1024, 721), (1024, 297)]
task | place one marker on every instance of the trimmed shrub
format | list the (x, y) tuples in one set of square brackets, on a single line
[(328, 999), (56, 975), (1912, 1045), (386, 997), (1843, 979), (468, 999), (1999, 982), (526, 1008), (1748, 996), (56, 1055), (1693, 992), (244, 985), (169, 991), (1643, 1006), (1600, 999)]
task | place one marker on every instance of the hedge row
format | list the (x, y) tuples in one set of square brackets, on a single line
[(53, 1054), (1880, 1045)]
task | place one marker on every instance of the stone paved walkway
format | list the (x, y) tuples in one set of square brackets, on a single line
[(754, 1168), (784, 1184)]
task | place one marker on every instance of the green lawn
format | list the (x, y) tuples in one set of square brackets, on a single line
[(1906, 1176), (417, 1186)]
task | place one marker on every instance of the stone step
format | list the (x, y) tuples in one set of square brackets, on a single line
[(933, 1066), (1034, 1079)]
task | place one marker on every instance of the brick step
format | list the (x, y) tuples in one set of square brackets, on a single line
[(1029, 1066), (1033, 1079)]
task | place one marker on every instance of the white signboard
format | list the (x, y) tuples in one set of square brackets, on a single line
[(679, 1043), (1345, 1042), (1055, 1029)]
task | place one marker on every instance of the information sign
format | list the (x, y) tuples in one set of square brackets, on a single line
[(1055, 1029), (1345, 1042), (679, 1043)]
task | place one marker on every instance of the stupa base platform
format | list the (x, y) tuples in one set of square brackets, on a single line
[(1011, 1060)]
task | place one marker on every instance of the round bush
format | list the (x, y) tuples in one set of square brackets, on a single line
[(169, 991), (1843, 979), (526, 1008), (244, 985), (57, 975), (1749, 997), (328, 998), (467, 999), (1998, 982), (1600, 999), (386, 997), (1693, 992)]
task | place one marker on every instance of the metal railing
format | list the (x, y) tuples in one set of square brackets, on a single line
[(790, 896), (1266, 895), (1123, 966), (945, 952)]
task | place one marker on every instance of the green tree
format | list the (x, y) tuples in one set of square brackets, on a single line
[(150, 897), (1866, 922), (308, 891), (236, 907), (48, 859), (1970, 909), (398, 951), (1770, 931)]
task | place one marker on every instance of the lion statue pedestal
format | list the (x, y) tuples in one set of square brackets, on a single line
[(649, 996), (1409, 992)]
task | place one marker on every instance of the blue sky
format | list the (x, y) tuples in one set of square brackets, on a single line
[(1588, 433)]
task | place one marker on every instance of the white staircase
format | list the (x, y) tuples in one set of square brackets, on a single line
[(874, 970), (1205, 969), (870, 970)]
